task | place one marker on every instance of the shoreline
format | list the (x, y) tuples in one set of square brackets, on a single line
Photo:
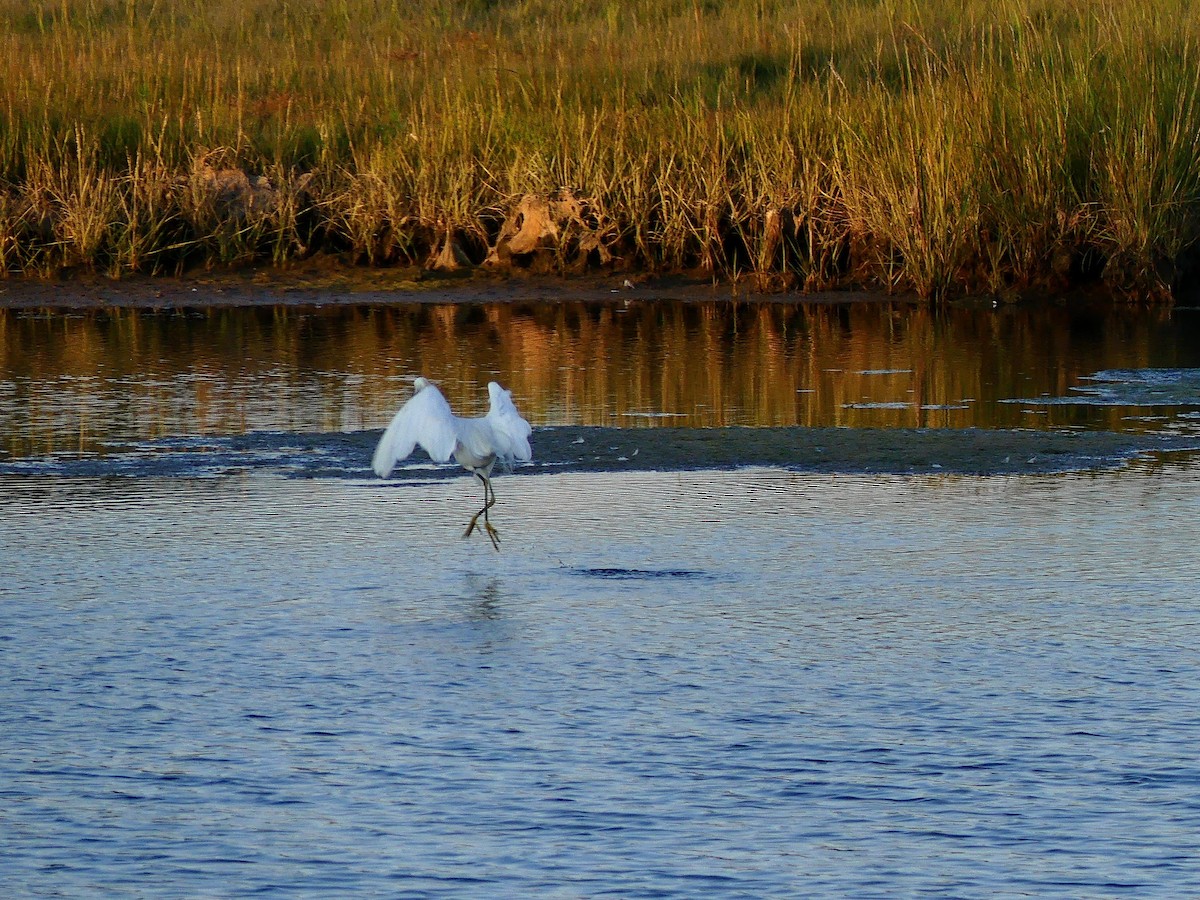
[(573, 449), (328, 282)]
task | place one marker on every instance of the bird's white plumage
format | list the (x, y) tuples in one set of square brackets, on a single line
[(426, 420), (510, 432)]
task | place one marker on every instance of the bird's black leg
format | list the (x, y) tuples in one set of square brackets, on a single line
[(488, 504), (489, 500), (475, 518)]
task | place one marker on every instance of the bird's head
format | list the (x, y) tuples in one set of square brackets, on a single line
[(419, 384)]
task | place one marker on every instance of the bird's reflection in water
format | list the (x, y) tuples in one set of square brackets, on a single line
[(485, 596)]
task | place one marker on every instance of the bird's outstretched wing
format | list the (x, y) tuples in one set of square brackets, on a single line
[(510, 431), (426, 420)]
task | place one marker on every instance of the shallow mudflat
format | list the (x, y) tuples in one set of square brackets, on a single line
[(330, 283), (595, 449), (892, 450)]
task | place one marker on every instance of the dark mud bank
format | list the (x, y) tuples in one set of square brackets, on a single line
[(594, 449), (970, 451)]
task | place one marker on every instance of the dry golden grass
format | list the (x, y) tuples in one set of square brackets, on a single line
[(930, 146)]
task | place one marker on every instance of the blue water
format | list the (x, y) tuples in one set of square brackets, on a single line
[(748, 683), (236, 664)]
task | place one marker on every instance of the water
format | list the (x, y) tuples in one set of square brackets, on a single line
[(75, 382), (236, 664), (745, 683)]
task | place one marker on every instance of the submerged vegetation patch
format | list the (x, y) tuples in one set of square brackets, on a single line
[(935, 147)]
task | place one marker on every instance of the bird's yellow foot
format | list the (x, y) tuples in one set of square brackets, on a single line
[(488, 527)]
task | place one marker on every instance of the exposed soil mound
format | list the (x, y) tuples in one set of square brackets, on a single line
[(232, 191), (560, 231)]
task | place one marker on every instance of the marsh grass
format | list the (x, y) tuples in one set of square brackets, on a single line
[(935, 146)]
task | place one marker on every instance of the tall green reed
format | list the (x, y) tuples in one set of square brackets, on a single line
[(933, 147)]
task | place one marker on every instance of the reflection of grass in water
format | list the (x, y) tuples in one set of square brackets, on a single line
[(913, 145), (100, 373)]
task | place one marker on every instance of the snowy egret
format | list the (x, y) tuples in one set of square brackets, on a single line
[(476, 444)]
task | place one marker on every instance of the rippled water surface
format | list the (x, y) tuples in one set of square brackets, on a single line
[(235, 664), (744, 683)]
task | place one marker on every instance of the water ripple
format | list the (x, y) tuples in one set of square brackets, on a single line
[(754, 682)]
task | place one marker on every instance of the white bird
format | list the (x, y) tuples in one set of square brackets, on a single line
[(476, 444)]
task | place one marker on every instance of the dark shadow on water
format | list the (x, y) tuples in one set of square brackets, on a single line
[(485, 598), (618, 574)]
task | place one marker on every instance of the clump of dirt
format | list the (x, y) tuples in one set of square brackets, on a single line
[(233, 191), (558, 232), (449, 255), (234, 194)]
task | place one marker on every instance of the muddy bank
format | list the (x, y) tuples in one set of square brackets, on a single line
[(599, 449), (970, 451), (329, 283)]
